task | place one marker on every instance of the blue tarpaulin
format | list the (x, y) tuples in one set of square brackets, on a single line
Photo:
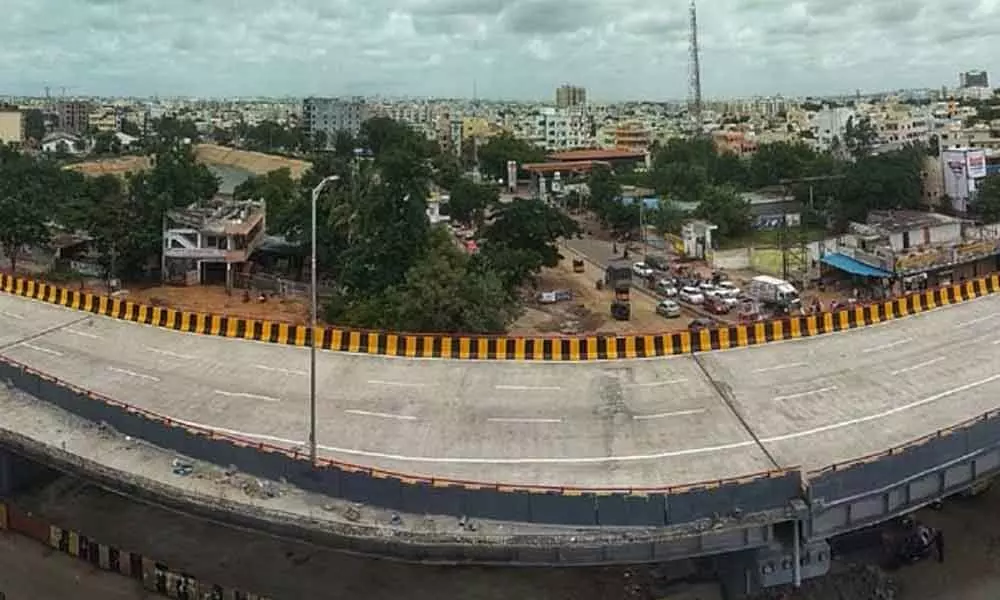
[(854, 267)]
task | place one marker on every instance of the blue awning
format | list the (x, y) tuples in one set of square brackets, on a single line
[(854, 267)]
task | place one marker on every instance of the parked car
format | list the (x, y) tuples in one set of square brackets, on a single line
[(668, 309), (729, 296), (658, 263), (729, 285), (716, 305), (702, 323), (666, 288), (641, 269), (691, 295), (706, 286)]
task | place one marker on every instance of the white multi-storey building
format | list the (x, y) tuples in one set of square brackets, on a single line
[(556, 129), (331, 115), (829, 124)]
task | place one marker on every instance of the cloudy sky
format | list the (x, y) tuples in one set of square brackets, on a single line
[(617, 49)]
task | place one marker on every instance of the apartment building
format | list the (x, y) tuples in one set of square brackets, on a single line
[(829, 124), (11, 125), (568, 96), (74, 116), (331, 115), (973, 79), (104, 119), (556, 129)]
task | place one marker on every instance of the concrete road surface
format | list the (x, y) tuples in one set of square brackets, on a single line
[(640, 423)]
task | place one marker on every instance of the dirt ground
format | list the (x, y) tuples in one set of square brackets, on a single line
[(255, 162), (214, 299), (589, 310), (112, 166), (31, 571)]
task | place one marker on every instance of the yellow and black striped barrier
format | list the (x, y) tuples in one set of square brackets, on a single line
[(483, 347)]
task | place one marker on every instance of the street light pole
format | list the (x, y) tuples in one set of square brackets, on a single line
[(312, 321)]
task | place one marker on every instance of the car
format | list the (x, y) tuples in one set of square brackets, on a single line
[(706, 286), (691, 295), (702, 323), (666, 287), (658, 263), (730, 286), (730, 297), (668, 309), (641, 269), (716, 305)]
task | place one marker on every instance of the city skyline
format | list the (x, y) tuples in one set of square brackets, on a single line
[(514, 49)]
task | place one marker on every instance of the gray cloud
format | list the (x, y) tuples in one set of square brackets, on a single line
[(510, 48)]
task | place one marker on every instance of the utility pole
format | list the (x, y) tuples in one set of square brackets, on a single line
[(792, 244)]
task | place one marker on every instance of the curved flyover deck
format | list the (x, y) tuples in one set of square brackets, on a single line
[(622, 424)]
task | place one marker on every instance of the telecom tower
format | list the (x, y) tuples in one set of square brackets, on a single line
[(694, 81)]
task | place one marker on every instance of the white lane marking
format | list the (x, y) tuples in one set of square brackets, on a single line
[(394, 383), (521, 420), (40, 349), (11, 315), (974, 321), (885, 413), (803, 394), (529, 388), (780, 367), (281, 370), (381, 415), (168, 353), (657, 383), (887, 346), (133, 374), (610, 459), (82, 334), (248, 396), (676, 413), (918, 366)]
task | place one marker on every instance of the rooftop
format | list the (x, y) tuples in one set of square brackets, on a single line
[(220, 216), (563, 167), (895, 221), (592, 155)]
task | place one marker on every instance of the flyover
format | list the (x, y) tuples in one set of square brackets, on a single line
[(828, 420)]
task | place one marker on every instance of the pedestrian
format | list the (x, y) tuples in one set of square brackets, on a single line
[(939, 545)]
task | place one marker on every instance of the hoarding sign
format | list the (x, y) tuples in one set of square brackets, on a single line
[(956, 178), (976, 163)]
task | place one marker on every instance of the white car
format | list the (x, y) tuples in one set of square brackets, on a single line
[(730, 286), (666, 288), (729, 297), (706, 286), (641, 269), (691, 295)]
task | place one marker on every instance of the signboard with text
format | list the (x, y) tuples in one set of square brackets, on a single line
[(975, 163)]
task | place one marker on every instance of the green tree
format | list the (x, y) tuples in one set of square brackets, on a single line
[(106, 142), (668, 217), (468, 201), (780, 160), (24, 210), (986, 202), (34, 124), (888, 181), (443, 292), (494, 154), (522, 237), (282, 195), (723, 206), (131, 128), (860, 136)]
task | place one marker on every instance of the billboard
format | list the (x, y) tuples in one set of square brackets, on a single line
[(975, 161), (955, 169)]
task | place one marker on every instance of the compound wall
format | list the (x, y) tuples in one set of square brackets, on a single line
[(755, 493), (597, 347)]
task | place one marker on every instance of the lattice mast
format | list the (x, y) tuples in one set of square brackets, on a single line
[(694, 77)]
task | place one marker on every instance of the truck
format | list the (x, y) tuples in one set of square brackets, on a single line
[(773, 293), (618, 277)]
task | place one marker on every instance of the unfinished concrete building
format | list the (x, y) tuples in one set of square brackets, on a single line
[(212, 243)]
